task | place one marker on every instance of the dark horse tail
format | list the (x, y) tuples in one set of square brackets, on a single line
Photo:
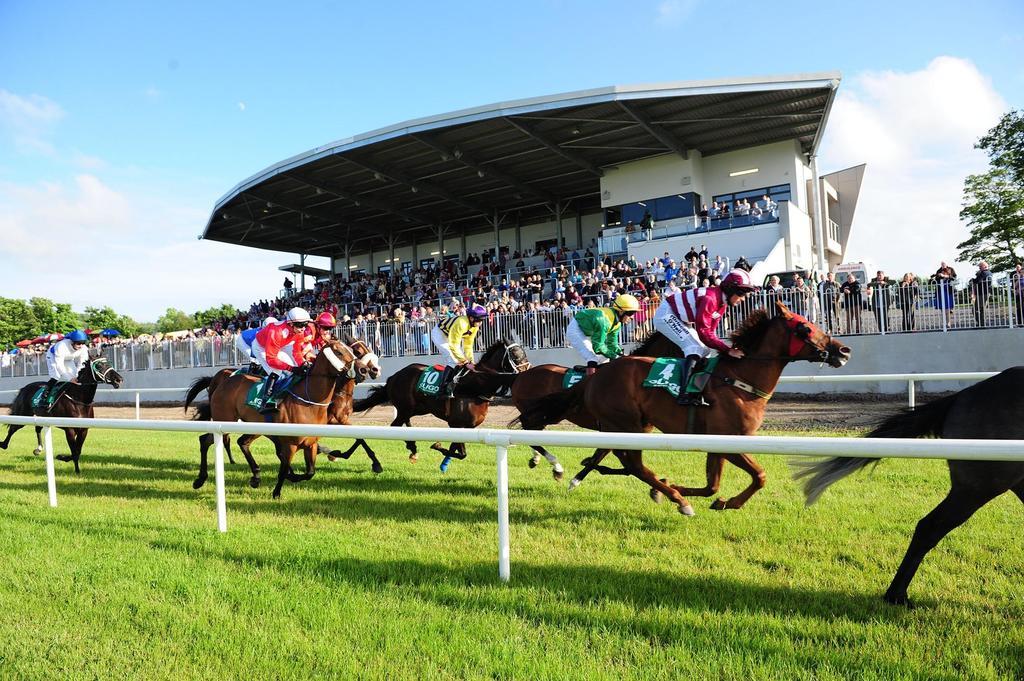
[(536, 414), (198, 386), (924, 421), (377, 397)]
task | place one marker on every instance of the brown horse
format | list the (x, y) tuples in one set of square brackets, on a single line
[(738, 390), (305, 401), (75, 401), (495, 372), (547, 379), (367, 366), (988, 410)]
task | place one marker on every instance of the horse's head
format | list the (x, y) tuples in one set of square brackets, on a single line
[(505, 357), (807, 341), (98, 370), (335, 359), (367, 363)]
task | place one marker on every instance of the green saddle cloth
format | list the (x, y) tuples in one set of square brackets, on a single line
[(573, 376), (252, 398), (37, 397), (430, 380), (665, 373)]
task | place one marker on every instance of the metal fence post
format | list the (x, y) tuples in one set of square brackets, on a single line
[(51, 476), (504, 566), (911, 396), (138, 414)]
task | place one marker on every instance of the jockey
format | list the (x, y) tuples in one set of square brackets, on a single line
[(689, 319), (243, 341), (454, 338), (594, 332), (320, 333), (65, 359), (280, 349)]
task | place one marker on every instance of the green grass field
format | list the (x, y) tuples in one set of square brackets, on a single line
[(353, 575)]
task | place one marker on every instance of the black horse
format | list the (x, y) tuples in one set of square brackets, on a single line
[(74, 401), (992, 410)]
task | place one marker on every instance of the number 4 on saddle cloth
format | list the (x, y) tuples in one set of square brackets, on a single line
[(665, 373), (252, 398)]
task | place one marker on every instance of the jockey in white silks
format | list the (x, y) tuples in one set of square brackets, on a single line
[(66, 358)]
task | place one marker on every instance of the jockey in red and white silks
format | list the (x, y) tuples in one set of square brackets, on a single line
[(280, 348), (690, 319)]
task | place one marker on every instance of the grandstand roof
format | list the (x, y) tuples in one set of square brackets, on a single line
[(515, 159)]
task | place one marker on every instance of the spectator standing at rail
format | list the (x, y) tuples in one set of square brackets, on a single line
[(906, 299), (981, 288), (828, 293), (944, 279), (1017, 291), (800, 297), (852, 302), (881, 300)]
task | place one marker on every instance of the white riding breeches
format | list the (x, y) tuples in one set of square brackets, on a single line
[(579, 342), (679, 332), (444, 347)]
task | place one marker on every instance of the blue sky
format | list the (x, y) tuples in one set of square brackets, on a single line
[(112, 113)]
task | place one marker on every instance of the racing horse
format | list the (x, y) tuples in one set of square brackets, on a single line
[(74, 401), (367, 366), (498, 367), (306, 400), (738, 390), (988, 410), (547, 379)]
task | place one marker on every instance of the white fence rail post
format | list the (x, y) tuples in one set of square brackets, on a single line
[(51, 474), (218, 473), (138, 410), (911, 396), (504, 560)]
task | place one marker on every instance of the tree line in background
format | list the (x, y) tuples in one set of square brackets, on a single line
[(20, 319), (993, 205)]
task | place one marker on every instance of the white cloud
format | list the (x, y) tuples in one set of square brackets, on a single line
[(672, 13), (29, 121), (916, 132), (241, 106)]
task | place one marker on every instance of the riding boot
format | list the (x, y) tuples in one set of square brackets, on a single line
[(268, 389), (51, 385), (447, 383), (685, 398)]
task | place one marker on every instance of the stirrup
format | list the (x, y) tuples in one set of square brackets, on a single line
[(692, 400)]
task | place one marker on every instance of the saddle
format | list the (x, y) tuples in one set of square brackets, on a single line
[(37, 396), (251, 398)]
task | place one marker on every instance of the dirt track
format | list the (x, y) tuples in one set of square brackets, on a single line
[(790, 413)]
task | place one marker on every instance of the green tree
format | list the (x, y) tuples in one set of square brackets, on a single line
[(17, 321), (175, 320), (994, 209), (213, 314), (54, 317), (98, 318), (1004, 145)]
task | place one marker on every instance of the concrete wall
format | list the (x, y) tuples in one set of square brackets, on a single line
[(987, 350), (652, 177), (778, 163)]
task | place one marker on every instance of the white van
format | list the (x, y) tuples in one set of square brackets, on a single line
[(863, 271)]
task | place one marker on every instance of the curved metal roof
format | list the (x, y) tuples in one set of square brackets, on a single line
[(511, 159)]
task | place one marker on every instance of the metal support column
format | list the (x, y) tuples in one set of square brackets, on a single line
[(497, 237), (302, 270), (817, 215), (559, 239), (579, 228)]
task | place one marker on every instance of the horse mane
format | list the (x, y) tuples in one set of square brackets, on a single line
[(644, 339), (489, 352), (748, 336)]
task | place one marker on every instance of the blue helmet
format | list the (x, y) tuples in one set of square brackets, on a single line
[(77, 336)]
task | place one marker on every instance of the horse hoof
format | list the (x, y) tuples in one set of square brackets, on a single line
[(37, 451), (64, 457), (413, 458), (655, 496), (719, 505), (534, 461), (198, 482), (574, 483), (377, 469), (558, 475), (687, 510), (254, 482), (900, 600), (331, 455)]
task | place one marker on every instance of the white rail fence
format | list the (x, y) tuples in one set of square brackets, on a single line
[(501, 440), (911, 379)]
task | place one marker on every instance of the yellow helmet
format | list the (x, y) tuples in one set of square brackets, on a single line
[(626, 303)]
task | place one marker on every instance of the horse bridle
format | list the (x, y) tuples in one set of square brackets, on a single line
[(99, 378)]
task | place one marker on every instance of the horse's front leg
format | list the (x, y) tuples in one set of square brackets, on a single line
[(713, 469), (70, 434), (11, 430), (39, 441), (309, 453), (757, 481), (285, 452)]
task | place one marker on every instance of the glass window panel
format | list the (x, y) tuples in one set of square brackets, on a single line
[(634, 212)]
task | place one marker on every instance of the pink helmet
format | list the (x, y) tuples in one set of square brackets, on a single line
[(326, 321), (737, 282)]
